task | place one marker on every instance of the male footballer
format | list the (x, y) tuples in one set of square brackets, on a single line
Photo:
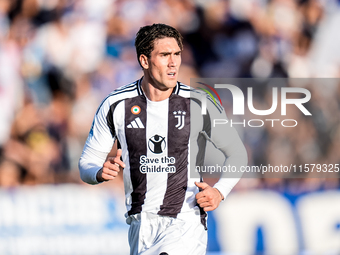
[(160, 127)]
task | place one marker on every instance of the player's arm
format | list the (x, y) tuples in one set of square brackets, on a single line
[(226, 139), (94, 166), (236, 156), (209, 197)]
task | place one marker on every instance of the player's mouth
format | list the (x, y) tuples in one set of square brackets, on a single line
[(172, 74)]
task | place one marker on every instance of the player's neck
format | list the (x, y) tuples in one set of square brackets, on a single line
[(153, 93)]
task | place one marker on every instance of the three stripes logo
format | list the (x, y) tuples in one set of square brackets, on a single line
[(136, 123)]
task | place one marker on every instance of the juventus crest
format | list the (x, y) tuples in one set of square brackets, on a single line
[(180, 116)]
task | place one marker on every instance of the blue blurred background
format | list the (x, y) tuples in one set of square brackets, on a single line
[(60, 58)]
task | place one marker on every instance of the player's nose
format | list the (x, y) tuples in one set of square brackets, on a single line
[(172, 61)]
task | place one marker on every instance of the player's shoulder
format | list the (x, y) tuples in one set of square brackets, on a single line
[(200, 96), (126, 91), (118, 95), (190, 92), (185, 90)]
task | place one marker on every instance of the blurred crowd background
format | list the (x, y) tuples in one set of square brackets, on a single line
[(60, 58)]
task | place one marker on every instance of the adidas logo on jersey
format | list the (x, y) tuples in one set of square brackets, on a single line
[(136, 123)]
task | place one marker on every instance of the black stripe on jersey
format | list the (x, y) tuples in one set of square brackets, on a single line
[(178, 140), (109, 118), (136, 146), (202, 143)]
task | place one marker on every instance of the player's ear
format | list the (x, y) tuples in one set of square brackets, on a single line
[(144, 61)]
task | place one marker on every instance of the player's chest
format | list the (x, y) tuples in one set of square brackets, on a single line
[(156, 123)]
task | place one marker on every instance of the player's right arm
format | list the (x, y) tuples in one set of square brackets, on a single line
[(94, 166)]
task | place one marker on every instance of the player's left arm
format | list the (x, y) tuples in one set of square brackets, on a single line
[(226, 139), (209, 197)]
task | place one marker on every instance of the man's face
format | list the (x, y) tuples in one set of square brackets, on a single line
[(163, 63)]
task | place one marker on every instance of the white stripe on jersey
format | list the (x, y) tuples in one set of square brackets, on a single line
[(157, 124)]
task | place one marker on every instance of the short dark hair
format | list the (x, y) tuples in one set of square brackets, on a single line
[(147, 35)]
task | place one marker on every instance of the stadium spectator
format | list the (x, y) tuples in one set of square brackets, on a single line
[(223, 39)]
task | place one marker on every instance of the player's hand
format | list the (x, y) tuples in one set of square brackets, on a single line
[(208, 198), (110, 168)]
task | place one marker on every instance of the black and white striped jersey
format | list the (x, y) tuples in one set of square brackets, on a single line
[(157, 139)]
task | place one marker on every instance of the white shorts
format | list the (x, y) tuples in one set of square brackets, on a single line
[(152, 234)]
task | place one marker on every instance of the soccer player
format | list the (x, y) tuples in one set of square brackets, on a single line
[(159, 127)]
